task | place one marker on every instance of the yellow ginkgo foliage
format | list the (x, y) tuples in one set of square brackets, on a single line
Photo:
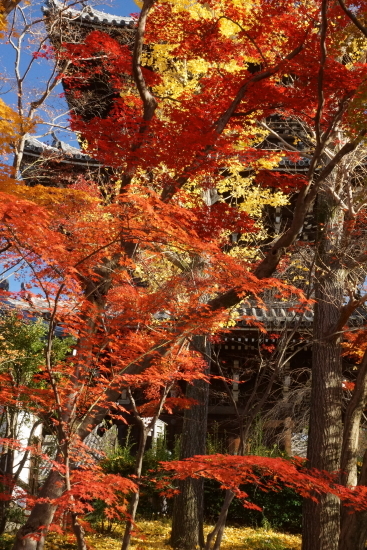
[(12, 127)]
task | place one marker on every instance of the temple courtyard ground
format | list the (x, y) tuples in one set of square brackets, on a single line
[(154, 535)]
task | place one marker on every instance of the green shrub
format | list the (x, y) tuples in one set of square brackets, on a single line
[(6, 541), (121, 462), (281, 510)]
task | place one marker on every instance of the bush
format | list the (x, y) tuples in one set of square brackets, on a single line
[(6, 541), (151, 503), (281, 510)]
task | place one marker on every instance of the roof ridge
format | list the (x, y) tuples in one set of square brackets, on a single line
[(89, 14)]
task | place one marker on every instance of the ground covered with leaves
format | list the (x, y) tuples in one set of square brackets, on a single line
[(154, 535)]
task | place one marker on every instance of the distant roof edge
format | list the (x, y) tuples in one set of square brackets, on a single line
[(67, 153), (88, 15)]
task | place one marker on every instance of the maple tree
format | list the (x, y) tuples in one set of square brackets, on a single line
[(117, 344), (186, 122)]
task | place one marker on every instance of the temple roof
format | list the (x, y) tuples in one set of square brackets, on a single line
[(88, 15), (286, 314), (277, 315), (60, 150)]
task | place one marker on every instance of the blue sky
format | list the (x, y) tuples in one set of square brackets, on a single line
[(40, 70), (41, 67), (121, 7)]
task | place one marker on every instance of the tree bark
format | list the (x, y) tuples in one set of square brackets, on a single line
[(135, 496), (353, 533), (187, 520), (7, 485), (79, 532), (32, 535), (321, 520), (218, 530), (354, 526), (7, 466)]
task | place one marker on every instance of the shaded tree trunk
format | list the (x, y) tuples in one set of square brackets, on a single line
[(321, 520), (6, 486), (7, 466), (353, 533), (187, 520), (218, 530)]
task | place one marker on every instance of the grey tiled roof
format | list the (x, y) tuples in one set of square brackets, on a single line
[(277, 313), (65, 152), (88, 15), (283, 314)]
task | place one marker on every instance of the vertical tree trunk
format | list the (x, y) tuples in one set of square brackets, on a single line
[(353, 533), (41, 515), (7, 467), (187, 520), (135, 496), (321, 521), (354, 526), (6, 486), (218, 530), (79, 532)]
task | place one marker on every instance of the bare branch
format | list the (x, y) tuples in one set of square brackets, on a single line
[(320, 85), (26, 453), (345, 150), (149, 101), (9, 245)]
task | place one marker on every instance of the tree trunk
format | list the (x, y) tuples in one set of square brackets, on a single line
[(354, 526), (353, 533), (187, 520), (7, 466), (218, 530), (79, 532), (6, 486), (135, 496), (32, 535), (321, 520)]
